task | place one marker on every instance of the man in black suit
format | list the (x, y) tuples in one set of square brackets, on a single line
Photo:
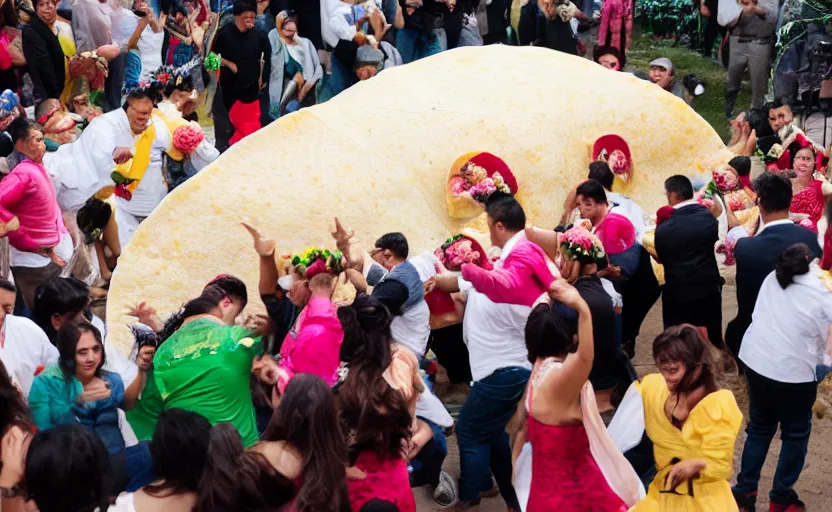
[(756, 256), (685, 246)]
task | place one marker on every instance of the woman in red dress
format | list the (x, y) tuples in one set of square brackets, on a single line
[(565, 476), (376, 395), (808, 193)]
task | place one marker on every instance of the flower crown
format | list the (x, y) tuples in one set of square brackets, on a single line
[(153, 88), (581, 245), (457, 250), (167, 73), (315, 260)]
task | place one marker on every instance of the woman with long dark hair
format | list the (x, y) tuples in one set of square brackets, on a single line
[(238, 480), (303, 443), (376, 397), (67, 469), (781, 350), (692, 423), (15, 435), (78, 390), (565, 474), (179, 449)]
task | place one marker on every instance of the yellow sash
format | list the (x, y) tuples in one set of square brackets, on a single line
[(172, 125), (135, 168)]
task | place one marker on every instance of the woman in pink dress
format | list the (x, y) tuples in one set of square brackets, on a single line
[(808, 193), (565, 475), (376, 397)]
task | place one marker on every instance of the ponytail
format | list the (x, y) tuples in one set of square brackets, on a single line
[(792, 262), (366, 324)]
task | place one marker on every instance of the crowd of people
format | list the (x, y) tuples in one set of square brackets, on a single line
[(324, 402)]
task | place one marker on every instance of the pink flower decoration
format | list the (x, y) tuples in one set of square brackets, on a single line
[(707, 203), (319, 267), (619, 164), (484, 188), (187, 138), (727, 248), (807, 223), (459, 185)]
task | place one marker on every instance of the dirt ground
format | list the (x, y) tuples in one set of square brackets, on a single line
[(814, 485)]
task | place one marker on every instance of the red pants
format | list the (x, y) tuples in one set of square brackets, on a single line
[(245, 117)]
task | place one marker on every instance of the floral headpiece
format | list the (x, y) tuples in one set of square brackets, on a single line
[(460, 249), (481, 175), (177, 75), (779, 158), (315, 260), (614, 150), (581, 245), (153, 88)]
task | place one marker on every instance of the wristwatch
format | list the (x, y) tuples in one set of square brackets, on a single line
[(10, 492)]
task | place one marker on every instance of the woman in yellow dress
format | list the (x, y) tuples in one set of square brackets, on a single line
[(693, 426)]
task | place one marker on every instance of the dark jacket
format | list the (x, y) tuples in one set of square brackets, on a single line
[(685, 246), (45, 59), (756, 258)]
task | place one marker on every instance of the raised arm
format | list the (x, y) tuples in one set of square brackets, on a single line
[(268, 266), (546, 239), (352, 252), (577, 366)]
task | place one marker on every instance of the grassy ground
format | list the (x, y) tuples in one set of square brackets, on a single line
[(711, 104)]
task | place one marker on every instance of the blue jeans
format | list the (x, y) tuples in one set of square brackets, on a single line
[(771, 403), (427, 465), (415, 45), (481, 434)]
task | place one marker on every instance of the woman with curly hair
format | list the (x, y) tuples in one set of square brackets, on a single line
[(376, 397)]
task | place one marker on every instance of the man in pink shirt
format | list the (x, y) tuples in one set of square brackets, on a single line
[(41, 245), (521, 275)]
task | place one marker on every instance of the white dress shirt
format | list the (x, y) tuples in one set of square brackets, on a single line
[(25, 348), (495, 333), (628, 208), (789, 328)]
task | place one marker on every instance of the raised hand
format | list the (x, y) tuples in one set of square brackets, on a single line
[(341, 235), (264, 248)]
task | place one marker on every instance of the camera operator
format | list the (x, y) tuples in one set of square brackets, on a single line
[(663, 74), (752, 38)]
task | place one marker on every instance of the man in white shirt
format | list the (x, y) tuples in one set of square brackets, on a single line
[(84, 167), (24, 347), (495, 335), (620, 204)]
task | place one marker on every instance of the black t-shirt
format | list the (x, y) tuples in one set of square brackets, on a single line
[(606, 371), (282, 313), (392, 294), (245, 50)]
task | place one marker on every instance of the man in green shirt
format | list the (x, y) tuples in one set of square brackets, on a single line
[(205, 365)]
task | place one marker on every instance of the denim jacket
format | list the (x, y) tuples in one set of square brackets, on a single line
[(53, 402)]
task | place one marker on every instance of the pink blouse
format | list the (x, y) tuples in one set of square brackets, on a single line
[(27, 193), (316, 348), (522, 279)]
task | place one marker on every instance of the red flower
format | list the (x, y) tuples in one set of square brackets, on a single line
[(187, 138)]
